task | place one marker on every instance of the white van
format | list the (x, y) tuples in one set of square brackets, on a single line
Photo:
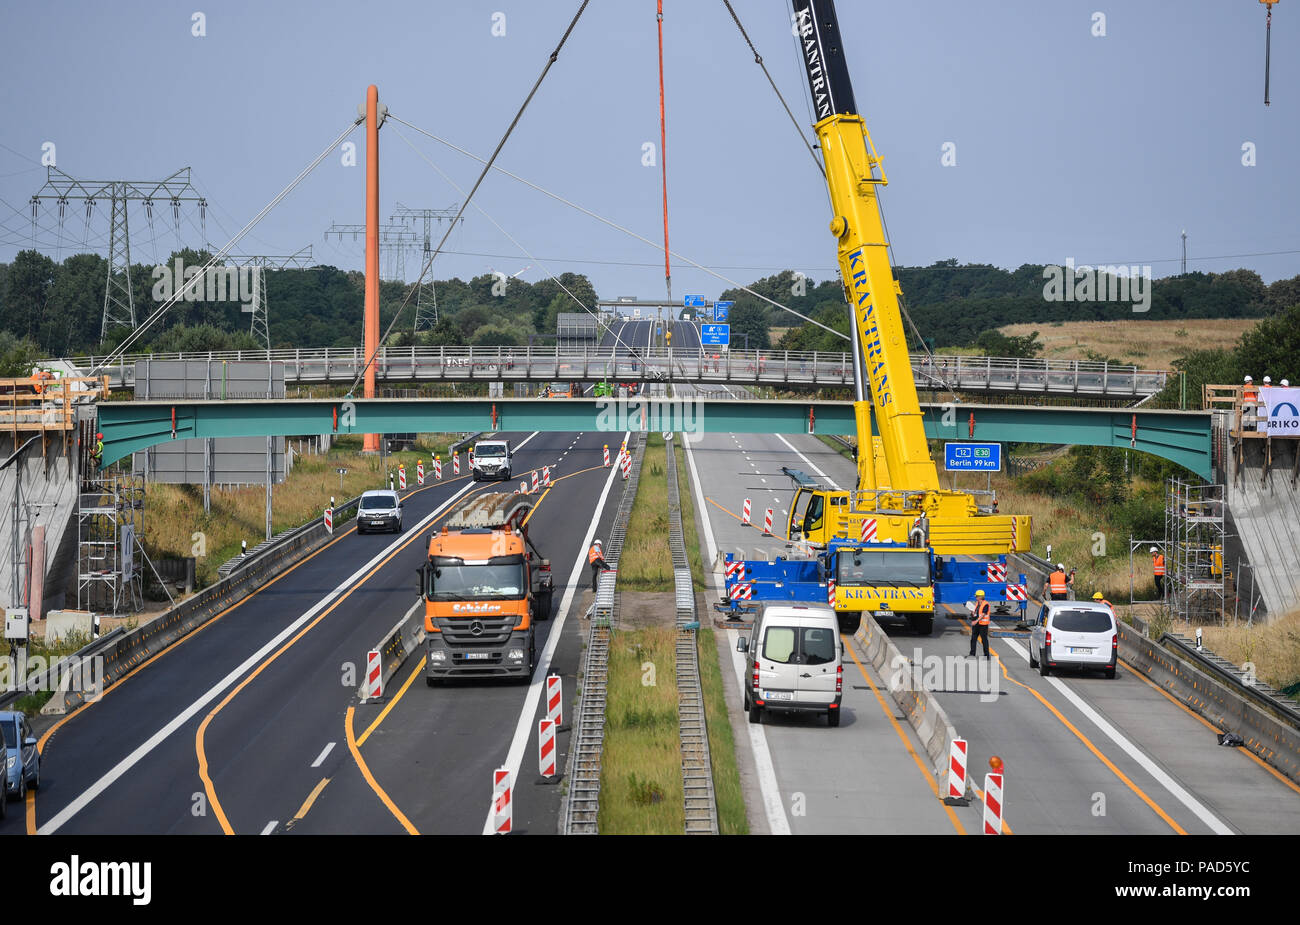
[(492, 460), (1074, 634), (794, 662)]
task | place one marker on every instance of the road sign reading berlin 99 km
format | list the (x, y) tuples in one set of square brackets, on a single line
[(972, 457)]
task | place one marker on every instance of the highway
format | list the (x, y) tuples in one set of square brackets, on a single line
[(1083, 755), (245, 726)]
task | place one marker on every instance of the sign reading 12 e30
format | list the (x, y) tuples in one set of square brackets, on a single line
[(972, 457)]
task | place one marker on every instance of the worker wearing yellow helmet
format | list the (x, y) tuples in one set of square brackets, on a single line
[(1101, 600), (979, 627)]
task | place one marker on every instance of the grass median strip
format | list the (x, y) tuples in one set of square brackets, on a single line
[(641, 769), (727, 793)]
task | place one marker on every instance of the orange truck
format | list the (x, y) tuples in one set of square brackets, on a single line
[(484, 585)]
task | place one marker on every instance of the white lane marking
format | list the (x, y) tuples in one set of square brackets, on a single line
[(829, 481), (764, 481), (763, 769), (525, 726), (1175, 789), (270, 827), (94, 790), (321, 757)]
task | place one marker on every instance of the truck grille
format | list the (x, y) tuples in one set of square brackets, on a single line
[(460, 631)]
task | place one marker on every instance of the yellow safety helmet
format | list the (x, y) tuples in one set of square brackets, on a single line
[(979, 593), (1097, 596)]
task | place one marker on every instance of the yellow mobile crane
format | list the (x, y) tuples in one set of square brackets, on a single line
[(911, 508)]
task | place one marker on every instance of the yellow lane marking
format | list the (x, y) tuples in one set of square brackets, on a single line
[(374, 784), (31, 814), (392, 703), (720, 507), (311, 798), (201, 733), (1155, 807), (889, 714)]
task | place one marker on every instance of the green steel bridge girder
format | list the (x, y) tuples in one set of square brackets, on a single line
[(1181, 436)]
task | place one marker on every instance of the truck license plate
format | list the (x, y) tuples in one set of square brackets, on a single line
[(478, 654), (1077, 650), (779, 695)]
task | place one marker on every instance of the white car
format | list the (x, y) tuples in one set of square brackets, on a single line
[(1074, 634), (379, 509), (492, 460), (794, 662)]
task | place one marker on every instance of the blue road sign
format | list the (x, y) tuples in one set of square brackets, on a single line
[(972, 457), (715, 334), (721, 310), (693, 301)]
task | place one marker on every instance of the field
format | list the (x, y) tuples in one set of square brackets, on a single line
[(1147, 344)]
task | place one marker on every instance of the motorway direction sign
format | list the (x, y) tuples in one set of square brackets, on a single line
[(721, 310), (715, 334), (693, 301), (972, 457)]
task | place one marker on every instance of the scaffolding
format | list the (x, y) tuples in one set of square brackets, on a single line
[(110, 515), (1196, 583)]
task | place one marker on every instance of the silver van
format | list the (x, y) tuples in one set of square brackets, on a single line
[(794, 662), (1074, 634)]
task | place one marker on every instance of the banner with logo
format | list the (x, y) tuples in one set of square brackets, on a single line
[(1280, 411)]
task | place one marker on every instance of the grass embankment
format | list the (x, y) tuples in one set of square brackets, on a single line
[(727, 793), (1147, 344), (1273, 648), (641, 768), (173, 514), (36, 648)]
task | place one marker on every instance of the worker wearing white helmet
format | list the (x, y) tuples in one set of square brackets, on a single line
[(1058, 583), (1158, 570), (1286, 384), (979, 625), (1268, 381)]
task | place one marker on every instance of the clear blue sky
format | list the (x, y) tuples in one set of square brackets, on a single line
[(1067, 145)]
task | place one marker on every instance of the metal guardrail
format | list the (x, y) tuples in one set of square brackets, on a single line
[(266, 547), (582, 806), (596, 363), (701, 808), (1221, 669)]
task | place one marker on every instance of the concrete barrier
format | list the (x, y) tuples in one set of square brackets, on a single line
[(1273, 740), (398, 643), (921, 708)]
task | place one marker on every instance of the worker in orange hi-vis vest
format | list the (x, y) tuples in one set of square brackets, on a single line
[(1158, 569), (979, 627), (1058, 583), (596, 558), (1101, 600)]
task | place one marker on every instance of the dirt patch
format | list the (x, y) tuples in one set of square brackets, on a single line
[(641, 609), (1145, 344)]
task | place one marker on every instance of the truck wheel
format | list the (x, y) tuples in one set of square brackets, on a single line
[(923, 626), (850, 621), (544, 606)]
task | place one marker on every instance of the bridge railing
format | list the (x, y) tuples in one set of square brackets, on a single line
[(619, 363)]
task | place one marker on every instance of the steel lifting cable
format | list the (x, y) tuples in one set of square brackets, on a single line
[(487, 166), (537, 260), (617, 227), (213, 261), (663, 152), (758, 59), (508, 235)]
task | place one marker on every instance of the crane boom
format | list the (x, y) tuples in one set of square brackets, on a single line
[(853, 175)]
